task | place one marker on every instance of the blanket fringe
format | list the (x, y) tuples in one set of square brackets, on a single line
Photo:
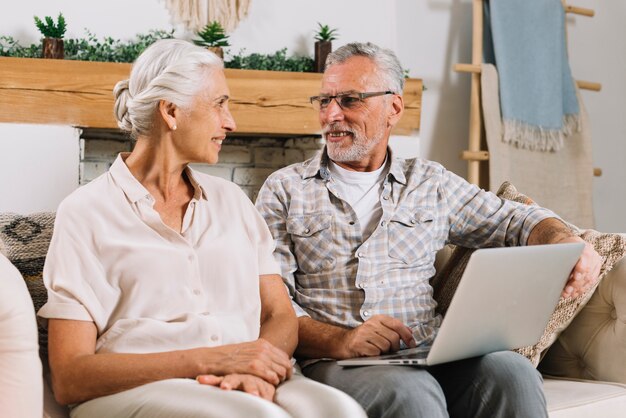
[(537, 138)]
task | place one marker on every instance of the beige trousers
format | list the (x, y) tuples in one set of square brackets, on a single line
[(298, 397)]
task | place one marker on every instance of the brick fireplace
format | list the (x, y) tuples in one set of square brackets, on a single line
[(246, 161)]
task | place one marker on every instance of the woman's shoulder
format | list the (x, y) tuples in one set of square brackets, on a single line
[(86, 199)]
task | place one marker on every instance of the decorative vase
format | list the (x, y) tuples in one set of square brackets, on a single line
[(53, 48), (217, 50), (322, 49)]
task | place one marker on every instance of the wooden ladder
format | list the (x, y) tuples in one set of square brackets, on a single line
[(477, 152)]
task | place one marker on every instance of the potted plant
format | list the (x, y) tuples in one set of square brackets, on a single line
[(53, 36), (213, 37), (323, 46)]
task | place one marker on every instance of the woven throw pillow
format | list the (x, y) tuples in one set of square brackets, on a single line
[(611, 248), (24, 241)]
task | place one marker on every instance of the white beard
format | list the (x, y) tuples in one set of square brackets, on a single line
[(359, 150)]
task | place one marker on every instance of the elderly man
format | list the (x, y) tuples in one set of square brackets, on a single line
[(356, 234)]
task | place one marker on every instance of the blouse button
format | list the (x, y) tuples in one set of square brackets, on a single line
[(214, 337)]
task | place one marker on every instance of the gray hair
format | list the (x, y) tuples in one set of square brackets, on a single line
[(384, 59), (169, 69)]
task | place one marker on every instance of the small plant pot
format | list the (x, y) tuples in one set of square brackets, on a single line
[(53, 48), (217, 50), (322, 49)]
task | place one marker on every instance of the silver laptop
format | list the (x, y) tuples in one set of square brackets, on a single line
[(504, 301)]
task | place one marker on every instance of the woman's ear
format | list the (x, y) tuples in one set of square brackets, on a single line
[(395, 110), (168, 112)]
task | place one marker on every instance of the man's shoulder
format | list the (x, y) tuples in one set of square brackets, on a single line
[(296, 171), (418, 167)]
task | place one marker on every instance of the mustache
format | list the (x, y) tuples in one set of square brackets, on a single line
[(334, 127)]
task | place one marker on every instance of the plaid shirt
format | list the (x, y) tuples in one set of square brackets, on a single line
[(335, 276)]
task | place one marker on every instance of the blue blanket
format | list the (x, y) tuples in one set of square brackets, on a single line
[(525, 40)]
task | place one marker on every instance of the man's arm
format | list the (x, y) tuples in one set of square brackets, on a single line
[(378, 335), (549, 231), (586, 271)]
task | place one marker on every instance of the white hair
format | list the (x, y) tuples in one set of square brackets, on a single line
[(169, 69), (384, 59)]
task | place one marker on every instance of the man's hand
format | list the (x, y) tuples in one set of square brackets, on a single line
[(259, 358), (586, 271), (242, 382), (378, 335)]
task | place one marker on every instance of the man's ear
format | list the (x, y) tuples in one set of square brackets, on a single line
[(395, 110), (168, 112)]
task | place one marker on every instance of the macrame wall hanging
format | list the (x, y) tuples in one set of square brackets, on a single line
[(195, 14)]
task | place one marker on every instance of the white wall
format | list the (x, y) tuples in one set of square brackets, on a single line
[(38, 166), (429, 37), (598, 53)]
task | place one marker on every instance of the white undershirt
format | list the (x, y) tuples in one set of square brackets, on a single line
[(362, 191)]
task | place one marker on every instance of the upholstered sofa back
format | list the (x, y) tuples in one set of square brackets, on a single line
[(593, 346)]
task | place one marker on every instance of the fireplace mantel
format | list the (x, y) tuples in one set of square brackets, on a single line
[(79, 93)]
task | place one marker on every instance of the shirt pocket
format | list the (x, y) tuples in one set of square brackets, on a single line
[(312, 242), (411, 234)]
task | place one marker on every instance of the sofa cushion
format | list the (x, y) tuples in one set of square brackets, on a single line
[(572, 398), (594, 345), (25, 241), (611, 248)]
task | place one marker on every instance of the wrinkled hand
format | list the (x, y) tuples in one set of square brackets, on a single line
[(258, 358), (586, 271), (378, 335), (242, 382)]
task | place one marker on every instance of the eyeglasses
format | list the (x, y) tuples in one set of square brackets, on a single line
[(346, 101)]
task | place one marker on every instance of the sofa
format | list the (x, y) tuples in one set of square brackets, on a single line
[(584, 367)]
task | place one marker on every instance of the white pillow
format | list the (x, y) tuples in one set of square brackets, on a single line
[(20, 366)]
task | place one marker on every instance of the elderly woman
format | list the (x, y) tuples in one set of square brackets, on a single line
[(164, 299)]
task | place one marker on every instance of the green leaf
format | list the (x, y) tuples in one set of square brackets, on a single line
[(49, 29), (212, 34), (324, 33)]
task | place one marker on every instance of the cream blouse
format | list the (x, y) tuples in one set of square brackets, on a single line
[(146, 287)]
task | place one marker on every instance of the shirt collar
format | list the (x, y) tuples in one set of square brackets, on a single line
[(134, 190), (319, 164), (198, 190), (397, 167), (125, 180)]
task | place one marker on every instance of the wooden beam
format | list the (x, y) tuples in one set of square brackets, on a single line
[(588, 85), (79, 93), (474, 155), (580, 11)]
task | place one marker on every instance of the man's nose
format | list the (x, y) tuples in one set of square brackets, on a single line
[(333, 111)]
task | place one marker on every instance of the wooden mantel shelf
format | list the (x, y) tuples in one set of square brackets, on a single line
[(79, 93)]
